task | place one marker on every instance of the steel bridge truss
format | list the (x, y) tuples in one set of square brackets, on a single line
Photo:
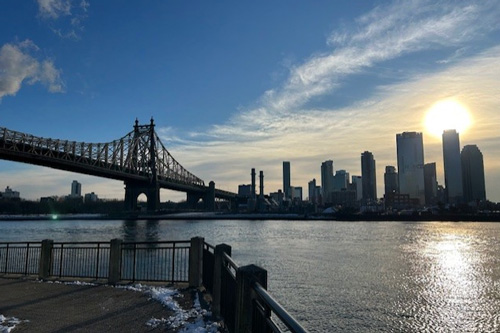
[(138, 155)]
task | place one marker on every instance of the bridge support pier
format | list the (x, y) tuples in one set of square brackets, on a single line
[(209, 197), (134, 189)]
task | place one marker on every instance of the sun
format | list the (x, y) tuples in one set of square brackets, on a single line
[(447, 114)]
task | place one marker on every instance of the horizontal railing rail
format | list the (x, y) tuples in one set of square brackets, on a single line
[(271, 304)]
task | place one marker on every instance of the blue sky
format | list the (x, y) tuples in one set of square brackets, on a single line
[(233, 86)]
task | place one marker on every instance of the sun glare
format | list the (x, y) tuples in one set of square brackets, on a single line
[(447, 114)]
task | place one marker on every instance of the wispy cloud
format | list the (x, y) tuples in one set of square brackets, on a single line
[(18, 65), (283, 126), (65, 17)]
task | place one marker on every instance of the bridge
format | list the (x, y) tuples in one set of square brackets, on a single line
[(139, 159)]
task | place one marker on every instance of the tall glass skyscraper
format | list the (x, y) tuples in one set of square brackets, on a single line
[(410, 151), (368, 177), (452, 167), (390, 180), (286, 180), (473, 174)]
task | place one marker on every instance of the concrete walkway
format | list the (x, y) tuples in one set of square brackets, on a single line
[(57, 307)]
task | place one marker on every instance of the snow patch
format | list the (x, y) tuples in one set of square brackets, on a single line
[(193, 320), (7, 324)]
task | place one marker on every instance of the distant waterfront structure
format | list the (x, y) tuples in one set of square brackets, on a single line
[(245, 190), (410, 153), (369, 178), (357, 186), (76, 189), (390, 180), (91, 197), (10, 194), (473, 174), (431, 185), (296, 193), (340, 180), (327, 180), (287, 180), (452, 167)]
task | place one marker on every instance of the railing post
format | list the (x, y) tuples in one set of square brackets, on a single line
[(245, 277), (217, 287), (115, 261), (196, 262), (45, 258)]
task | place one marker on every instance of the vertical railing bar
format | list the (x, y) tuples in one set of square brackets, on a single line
[(173, 261), (6, 257), (61, 260), (27, 257), (97, 260), (134, 263)]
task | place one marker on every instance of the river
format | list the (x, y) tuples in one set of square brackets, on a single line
[(340, 276)]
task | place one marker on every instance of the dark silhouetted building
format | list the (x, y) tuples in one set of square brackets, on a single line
[(473, 174), (340, 180), (431, 185), (357, 185), (287, 180), (369, 178), (390, 180), (452, 167), (410, 150), (314, 191), (327, 180)]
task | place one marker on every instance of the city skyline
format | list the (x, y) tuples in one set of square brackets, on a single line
[(347, 83)]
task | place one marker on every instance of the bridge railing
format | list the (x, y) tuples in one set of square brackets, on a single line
[(19, 258)]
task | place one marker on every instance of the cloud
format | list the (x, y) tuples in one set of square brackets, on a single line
[(65, 17), (284, 127), (17, 65)]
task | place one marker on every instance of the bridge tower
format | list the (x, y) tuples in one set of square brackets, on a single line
[(150, 188)]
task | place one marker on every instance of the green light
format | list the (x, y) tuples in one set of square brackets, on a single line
[(54, 216)]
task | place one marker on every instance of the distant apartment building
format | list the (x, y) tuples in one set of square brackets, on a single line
[(327, 180), (369, 178), (410, 154), (452, 167), (76, 189), (431, 185), (314, 192), (357, 186), (474, 188), (390, 180), (340, 180), (10, 194), (287, 180)]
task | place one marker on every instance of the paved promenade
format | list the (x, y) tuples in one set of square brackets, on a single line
[(57, 307)]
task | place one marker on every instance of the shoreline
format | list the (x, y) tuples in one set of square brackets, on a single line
[(288, 217)]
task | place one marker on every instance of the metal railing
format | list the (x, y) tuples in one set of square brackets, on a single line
[(228, 292), (265, 306), (19, 257), (155, 261), (80, 260), (208, 266)]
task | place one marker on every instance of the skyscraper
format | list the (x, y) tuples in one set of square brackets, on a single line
[(286, 180), (452, 167), (473, 174), (312, 191), (340, 180), (76, 189), (327, 180), (410, 151), (368, 177), (357, 185), (431, 185), (390, 180)]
